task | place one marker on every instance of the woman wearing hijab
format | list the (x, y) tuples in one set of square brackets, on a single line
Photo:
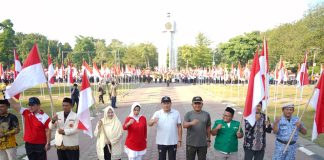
[(135, 124), (109, 133)]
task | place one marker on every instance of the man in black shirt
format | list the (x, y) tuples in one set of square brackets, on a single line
[(75, 94)]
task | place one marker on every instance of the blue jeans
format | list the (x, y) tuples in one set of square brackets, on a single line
[(113, 101)]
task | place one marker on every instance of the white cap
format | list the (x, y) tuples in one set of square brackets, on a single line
[(288, 105)]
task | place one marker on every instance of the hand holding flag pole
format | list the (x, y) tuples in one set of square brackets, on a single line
[(49, 89), (301, 116)]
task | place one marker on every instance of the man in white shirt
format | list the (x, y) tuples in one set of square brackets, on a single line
[(66, 135), (169, 129)]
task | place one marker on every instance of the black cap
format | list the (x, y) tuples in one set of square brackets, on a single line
[(197, 99), (231, 110), (33, 101), (165, 99)]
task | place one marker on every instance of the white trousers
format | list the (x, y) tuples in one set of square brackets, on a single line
[(8, 154)]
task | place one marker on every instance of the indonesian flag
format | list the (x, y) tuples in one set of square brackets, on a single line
[(70, 73), (51, 74), (255, 92), (60, 71), (86, 101), (239, 71), (281, 71), (32, 74), (302, 76), (96, 71), (17, 68), (86, 67), (1, 72), (264, 68), (317, 102)]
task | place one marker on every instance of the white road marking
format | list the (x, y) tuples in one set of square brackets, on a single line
[(306, 151)]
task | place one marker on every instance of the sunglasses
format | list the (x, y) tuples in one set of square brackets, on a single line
[(197, 103)]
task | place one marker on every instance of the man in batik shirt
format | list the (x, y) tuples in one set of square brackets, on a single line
[(255, 136)]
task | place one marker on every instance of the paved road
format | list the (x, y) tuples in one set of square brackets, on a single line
[(149, 96)]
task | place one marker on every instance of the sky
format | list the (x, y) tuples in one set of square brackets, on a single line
[(136, 21)]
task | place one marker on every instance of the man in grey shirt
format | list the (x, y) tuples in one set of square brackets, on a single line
[(198, 126)]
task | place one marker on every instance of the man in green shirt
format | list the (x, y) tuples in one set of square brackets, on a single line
[(227, 134)]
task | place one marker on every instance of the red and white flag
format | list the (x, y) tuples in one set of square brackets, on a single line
[(255, 93), (264, 68), (86, 101), (17, 69), (317, 102), (70, 73), (281, 72), (86, 67), (239, 71), (302, 76), (1, 72), (51, 74), (32, 74), (96, 71)]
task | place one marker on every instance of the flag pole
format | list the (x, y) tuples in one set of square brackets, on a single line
[(49, 90), (276, 100), (292, 134)]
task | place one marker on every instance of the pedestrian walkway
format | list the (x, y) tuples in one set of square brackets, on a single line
[(149, 96)]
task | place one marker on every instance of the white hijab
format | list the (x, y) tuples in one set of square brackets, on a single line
[(135, 104)]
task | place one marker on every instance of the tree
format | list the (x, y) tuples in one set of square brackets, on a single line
[(7, 38), (240, 48), (185, 54), (202, 56), (84, 49), (101, 52)]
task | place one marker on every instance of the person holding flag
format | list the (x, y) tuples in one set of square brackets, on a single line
[(37, 134), (283, 127), (66, 135), (109, 133), (255, 135)]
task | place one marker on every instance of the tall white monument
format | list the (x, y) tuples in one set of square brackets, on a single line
[(170, 46)]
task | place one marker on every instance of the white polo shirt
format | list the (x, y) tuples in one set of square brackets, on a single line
[(167, 130)]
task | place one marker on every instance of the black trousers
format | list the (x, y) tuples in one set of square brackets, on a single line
[(35, 151), (68, 154), (75, 101), (253, 155), (170, 149), (107, 153), (191, 152)]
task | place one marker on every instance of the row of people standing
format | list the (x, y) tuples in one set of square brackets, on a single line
[(168, 123), (199, 131)]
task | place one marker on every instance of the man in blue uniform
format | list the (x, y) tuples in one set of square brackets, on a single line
[(283, 128)]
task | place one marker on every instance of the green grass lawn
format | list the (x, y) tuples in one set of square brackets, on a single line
[(59, 91), (237, 94)]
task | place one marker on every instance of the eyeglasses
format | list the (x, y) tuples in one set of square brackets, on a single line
[(198, 103)]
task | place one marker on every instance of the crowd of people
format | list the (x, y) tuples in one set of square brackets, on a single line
[(169, 130)]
